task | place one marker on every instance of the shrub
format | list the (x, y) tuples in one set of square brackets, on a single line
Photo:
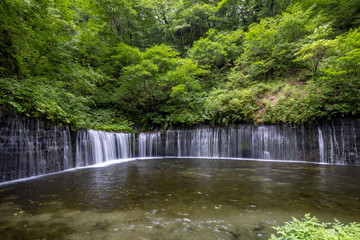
[(310, 228)]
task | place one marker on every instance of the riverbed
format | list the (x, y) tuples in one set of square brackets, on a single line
[(177, 198)]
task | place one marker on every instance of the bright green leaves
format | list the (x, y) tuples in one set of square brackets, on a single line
[(310, 228), (315, 51), (316, 46), (157, 85), (294, 104), (114, 59), (35, 97), (344, 13), (269, 46), (186, 72), (163, 56), (157, 62), (259, 45), (338, 64), (218, 50), (230, 107), (344, 59), (185, 103), (178, 91), (295, 24), (198, 16)]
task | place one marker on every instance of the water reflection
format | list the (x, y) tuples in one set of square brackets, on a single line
[(177, 199)]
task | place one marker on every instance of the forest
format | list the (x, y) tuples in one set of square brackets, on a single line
[(119, 65)]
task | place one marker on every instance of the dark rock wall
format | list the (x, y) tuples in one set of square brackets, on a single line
[(341, 141), (30, 147)]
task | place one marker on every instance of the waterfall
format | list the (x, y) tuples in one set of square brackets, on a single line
[(29, 147), (142, 145), (149, 144), (94, 147), (321, 146), (338, 142), (123, 148), (335, 143), (264, 142)]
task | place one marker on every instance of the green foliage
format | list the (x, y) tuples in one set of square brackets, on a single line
[(339, 76), (342, 96), (316, 47), (217, 50), (108, 120), (270, 45), (153, 86), (34, 97), (294, 105), (344, 59), (110, 64), (310, 228), (193, 21), (224, 106), (344, 13), (35, 33)]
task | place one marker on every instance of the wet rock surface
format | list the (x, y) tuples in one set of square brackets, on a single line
[(30, 147)]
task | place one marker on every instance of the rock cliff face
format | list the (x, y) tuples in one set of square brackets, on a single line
[(30, 147), (339, 141), (334, 142)]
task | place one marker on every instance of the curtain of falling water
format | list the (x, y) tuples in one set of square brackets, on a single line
[(93, 147), (333, 142), (29, 147)]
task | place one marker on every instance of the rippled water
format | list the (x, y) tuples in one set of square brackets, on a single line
[(177, 199)]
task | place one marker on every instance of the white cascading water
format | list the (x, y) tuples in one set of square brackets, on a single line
[(94, 147), (265, 142), (149, 144), (275, 142), (321, 146), (142, 145), (338, 142), (123, 145), (29, 148)]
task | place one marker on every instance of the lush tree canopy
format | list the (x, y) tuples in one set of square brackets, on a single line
[(115, 64)]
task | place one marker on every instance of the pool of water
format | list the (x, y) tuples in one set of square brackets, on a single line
[(177, 199)]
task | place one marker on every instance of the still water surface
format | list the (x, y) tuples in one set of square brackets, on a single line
[(177, 199)]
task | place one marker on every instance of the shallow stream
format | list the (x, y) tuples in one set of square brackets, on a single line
[(177, 199)]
